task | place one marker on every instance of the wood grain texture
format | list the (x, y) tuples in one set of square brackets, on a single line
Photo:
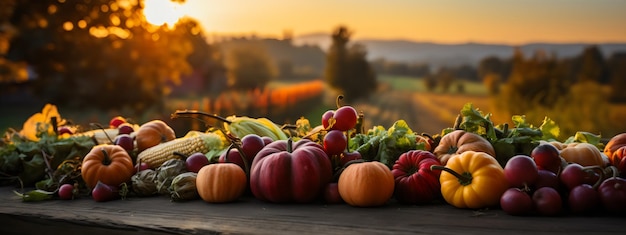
[(157, 215)]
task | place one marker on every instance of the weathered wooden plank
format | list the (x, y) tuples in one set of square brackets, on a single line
[(160, 216)]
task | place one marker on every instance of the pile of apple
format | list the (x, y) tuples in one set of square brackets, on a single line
[(544, 184), (338, 123)]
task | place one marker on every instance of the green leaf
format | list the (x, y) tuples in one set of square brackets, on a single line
[(475, 122), (550, 129), (586, 137), (35, 195)]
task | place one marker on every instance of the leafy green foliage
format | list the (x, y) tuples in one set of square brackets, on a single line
[(28, 160), (385, 146)]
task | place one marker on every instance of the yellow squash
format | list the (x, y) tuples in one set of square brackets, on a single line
[(472, 180)]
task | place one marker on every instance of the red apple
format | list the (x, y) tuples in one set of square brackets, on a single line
[(547, 157), (521, 171), (331, 193), (547, 201), (141, 166), (345, 118), (65, 130), (233, 156), (583, 198), (66, 192), (349, 156), (116, 121), (515, 201), (547, 179), (326, 117), (267, 140), (251, 144), (125, 141), (125, 128), (335, 142), (574, 174), (103, 192), (196, 161)]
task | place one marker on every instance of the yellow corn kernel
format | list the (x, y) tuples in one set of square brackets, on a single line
[(157, 155)]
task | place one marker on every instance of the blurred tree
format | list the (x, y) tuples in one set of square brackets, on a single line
[(249, 66), (347, 68), (493, 65), (99, 53), (492, 82), (430, 82), (592, 66), (444, 79), (617, 67)]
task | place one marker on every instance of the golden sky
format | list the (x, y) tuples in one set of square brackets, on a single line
[(444, 21)]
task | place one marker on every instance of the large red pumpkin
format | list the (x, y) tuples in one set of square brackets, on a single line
[(414, 181), (286, 171)]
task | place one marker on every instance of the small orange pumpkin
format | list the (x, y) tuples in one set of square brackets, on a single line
[(618, 156), (221, 182), (613, 145), (366, 184), (584, 154), (152, 133), (459, 141), (109, 164)]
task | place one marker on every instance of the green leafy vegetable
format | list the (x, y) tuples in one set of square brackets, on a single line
[(383, 145)]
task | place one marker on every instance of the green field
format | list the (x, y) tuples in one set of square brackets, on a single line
[(405, 83)]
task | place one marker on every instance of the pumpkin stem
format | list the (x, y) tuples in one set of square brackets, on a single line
[(246, 165), (106, 160), (453, 149), (464, 179), (289, 145)]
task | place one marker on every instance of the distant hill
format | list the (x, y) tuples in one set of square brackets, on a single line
[(454, 54)]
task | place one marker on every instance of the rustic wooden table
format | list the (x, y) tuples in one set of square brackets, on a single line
[(157, 215)]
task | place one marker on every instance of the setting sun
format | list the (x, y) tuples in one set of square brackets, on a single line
[(163, 12)]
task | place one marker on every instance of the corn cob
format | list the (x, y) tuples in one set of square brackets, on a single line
[(157, 155), (274, 127), (242, 126)]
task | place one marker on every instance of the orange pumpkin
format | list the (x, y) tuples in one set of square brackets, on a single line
[(613, 145), (221, 182), (584, 154), (459, 141), (152, 133), (366, 184), (618, 156), (109, 164)]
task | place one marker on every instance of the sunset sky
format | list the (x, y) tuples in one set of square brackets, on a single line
[(444, 21)]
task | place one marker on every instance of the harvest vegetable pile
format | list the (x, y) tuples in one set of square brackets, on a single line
[(522, 169)]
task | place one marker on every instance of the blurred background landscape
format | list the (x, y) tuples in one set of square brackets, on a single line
[(420, 61)]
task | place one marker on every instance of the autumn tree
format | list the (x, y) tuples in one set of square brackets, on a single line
[(592, 66), (99, 53), (347, 68), (617, 82), (249, 66)]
